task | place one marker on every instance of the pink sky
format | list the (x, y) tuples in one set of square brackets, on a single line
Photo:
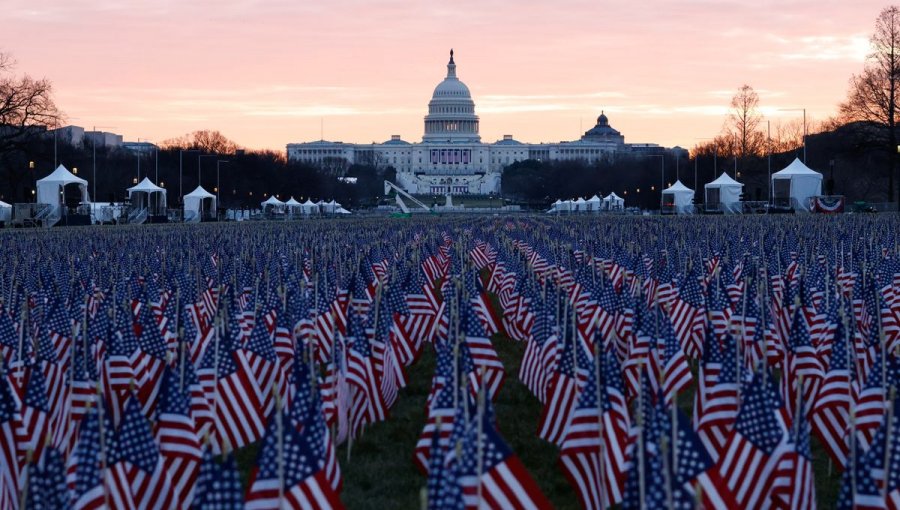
[(271, 72)]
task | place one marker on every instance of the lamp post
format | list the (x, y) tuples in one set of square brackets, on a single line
[(219, 186), (34, 189), (662, 177), (94, 136), (769, 159), (199, 157), (804, 126), (181, 171)]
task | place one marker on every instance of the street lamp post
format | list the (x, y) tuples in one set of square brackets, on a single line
[(94, 136), (181, 171), (34, 189), (218, 185), (662, 177), (804, 126), (199, 157)]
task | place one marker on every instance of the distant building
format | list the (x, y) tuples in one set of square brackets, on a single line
[(146, 148), (102, 139), (451, 158), (72, 135)]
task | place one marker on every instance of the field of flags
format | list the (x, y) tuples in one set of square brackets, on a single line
[(677, 362)]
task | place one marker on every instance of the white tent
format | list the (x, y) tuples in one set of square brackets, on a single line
[(49, 189), (795, 185), (276, 205), (341, 210), (678, 198), (555, 206), (5, 211), (193, 204), (580, 204), (330, 207), (723, 194), (593, 203), (309, 207), (614, 202), (145, 190)]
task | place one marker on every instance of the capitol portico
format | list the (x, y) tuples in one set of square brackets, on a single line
[(452, 158)]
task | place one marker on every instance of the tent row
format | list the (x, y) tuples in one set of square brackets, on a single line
[(611, 202), (292, 206)]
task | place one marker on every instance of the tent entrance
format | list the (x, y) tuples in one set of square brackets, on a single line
[(781, 191), (668, 205), (713, 199)]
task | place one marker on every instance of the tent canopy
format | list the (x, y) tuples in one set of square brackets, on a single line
[(724, 193), (193, 203), (146, 186), (49, 187), (293, 203), (5, 211), (796, 184), (679, 197), (272, 201)]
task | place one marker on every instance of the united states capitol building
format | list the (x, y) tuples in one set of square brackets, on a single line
[(452, 159)]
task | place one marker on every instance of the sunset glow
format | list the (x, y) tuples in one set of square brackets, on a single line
[(267, 73)]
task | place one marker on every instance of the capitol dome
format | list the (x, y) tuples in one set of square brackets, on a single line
[(451, 111), (603, 132)]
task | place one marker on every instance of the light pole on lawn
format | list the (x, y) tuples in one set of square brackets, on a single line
[(662, 177), (804, 126), (181, 171), (200, 157), (94, 136), (218, 185)]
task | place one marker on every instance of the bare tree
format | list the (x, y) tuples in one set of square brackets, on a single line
[(204, 140), (873, 93), (26, 110), (744, 122), (26, 106)]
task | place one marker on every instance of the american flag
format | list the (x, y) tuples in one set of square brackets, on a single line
[(676, 372), (367, 405), (858, 488), (435, 469), (137, 476), (592, 449), (440, 421), (488, 367), (695, 469), (831, 412), (754, 448), (47, 481), (688, 315), (869, 407), (717, 406), (503, 481), (233, 393), (290, 475), (308, 417), (562, 393), (9, 462), (218, 484), (34, 421), (176, 434)]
